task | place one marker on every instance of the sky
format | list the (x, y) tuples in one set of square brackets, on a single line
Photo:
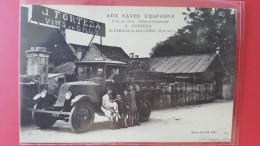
[(139, 43)]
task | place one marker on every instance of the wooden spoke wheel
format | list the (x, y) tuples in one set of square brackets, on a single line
[(81, 117)]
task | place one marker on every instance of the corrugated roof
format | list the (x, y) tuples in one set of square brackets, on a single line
[(173, 64)]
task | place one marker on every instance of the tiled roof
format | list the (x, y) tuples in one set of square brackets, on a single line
[(66, 68), (111, 52)]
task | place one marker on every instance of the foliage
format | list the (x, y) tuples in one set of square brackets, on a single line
[(207, 29)]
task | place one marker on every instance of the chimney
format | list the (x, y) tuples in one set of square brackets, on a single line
[(37, 64), (136, 56), (131, 55)]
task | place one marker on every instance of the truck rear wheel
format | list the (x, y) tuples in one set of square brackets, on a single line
[(81, 117), (145, 111), (43, 120)]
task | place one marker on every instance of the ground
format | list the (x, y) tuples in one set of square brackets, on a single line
[(211, 122)]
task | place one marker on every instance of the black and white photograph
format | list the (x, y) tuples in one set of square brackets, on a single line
[(93, 74)]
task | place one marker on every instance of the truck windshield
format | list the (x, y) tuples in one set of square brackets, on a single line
[(94, 73)]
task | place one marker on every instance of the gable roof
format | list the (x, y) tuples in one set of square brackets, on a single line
[(66, 68), (111, 52), (196, 63)]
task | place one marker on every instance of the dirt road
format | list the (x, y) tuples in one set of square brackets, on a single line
[(196, 123)]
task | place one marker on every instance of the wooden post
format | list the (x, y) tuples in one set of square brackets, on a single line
[(91, 40), (183, 84)]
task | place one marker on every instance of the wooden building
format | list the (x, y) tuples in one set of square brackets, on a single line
[(186, 78)]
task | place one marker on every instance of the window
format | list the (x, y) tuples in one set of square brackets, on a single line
[(93, 73), (115, 73)]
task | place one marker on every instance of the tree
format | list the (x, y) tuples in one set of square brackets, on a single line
[(206, 30)]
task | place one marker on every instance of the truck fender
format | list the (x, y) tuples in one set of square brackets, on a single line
[(48, 95), (83, 98), (48, 100)]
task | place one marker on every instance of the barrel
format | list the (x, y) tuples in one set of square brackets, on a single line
[(203, 90), (187, 92), (198, 90), (168, 95), (214, 91), (211, 92), (207, 89), (173, 94), (193, 93), (177, 91)]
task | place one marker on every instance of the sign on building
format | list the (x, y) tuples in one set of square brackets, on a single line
[(67, 21)]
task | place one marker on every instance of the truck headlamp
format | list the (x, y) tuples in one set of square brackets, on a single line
[(68, 95), (43, 93)]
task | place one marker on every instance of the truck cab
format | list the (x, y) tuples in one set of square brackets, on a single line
[(109, 74)]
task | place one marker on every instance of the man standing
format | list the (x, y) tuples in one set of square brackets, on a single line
[(138, 103), (132, 104)]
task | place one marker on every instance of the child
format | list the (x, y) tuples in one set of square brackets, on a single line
[(122, 112), (126, 108)]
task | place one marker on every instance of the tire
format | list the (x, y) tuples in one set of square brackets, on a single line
[(145, 111), (81, 117), (42, 120)]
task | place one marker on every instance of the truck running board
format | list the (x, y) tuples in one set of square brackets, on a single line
[(49, 112)]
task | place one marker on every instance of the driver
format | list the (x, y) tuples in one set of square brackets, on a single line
[(113, 76), (113, 73)]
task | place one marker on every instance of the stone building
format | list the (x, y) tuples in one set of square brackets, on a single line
[(53, 39)]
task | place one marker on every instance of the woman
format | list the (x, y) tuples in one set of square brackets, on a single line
[(109, 106)]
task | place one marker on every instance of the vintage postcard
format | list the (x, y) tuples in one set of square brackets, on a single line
[(126, 74)]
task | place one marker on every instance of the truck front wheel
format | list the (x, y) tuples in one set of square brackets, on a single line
[(43, 120), (81, 117)]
